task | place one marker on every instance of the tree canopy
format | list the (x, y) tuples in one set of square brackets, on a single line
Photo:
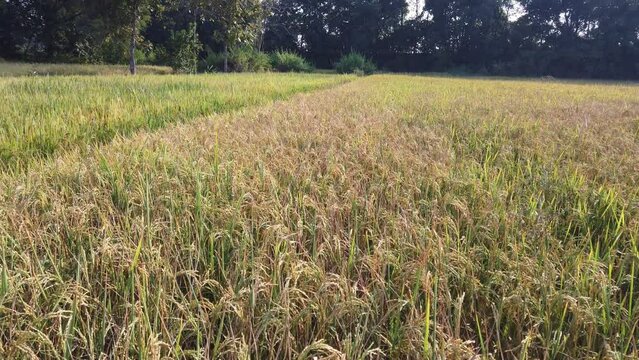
[(571, 38)]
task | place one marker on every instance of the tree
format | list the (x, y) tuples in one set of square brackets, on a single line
[(42, 30), (575, 38), (137, 10), (9, 25), (238, 22), (325, 30), (467, 32), (134, 15), (617, 36), (594, 38)]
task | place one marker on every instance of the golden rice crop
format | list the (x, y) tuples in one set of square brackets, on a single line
[(41, 115), (39, 69), (390, 217)]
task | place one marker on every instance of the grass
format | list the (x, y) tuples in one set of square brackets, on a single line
[(391, 217), (37, 69), (39, 116)]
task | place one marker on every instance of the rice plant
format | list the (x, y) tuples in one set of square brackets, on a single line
[(39, 116), (390, 217)]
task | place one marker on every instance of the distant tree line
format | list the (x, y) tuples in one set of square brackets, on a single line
[(563, 38)]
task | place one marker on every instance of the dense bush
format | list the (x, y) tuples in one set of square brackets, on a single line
[(286, 61), (355, 63), (184, 48), (249, 59), (115, 50), (243, 59), (212, 62)]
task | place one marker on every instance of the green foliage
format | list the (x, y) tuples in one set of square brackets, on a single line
[(241, 59), (184, 50), (590, 38), (355, 63), (212, 62), (286, 61), (238, 20), (113, 50), (249, 59), (145, 56), (41, 115)]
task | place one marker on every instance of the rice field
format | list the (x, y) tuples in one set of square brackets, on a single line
[(402, 217), (38, 69), (41, 115)]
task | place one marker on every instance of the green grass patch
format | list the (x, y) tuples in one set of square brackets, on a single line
[(41, 69), (41, 115)]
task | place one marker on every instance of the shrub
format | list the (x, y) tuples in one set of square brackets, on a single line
[(354, 63), (286, 61), (243, 59), (184, 49), (112, 50), (249, 59), (213, 61)]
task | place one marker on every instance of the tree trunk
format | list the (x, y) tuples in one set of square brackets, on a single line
[(195, 19), (195, 40), (226, 58), (134, 33)]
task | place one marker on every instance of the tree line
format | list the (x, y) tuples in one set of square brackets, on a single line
[(563, 38)]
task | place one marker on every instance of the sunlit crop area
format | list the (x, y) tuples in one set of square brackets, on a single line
[(35, 69), (386, 217), (40, 115)]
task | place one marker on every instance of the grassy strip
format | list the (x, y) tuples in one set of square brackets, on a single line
[(399, 217), (36, 69), (39, 116)]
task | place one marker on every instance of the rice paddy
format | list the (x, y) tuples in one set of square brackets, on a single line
[(8, 69), (381, 217), (40, 115)]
